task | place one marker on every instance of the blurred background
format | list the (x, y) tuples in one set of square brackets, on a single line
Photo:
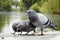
[(15, 10)]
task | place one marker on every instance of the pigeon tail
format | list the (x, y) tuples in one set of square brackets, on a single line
[(53, 26)]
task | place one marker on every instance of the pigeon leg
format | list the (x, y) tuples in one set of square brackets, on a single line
[(21, 32), (33, 32), (41, 31)]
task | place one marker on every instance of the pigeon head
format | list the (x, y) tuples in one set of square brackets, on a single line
[(19, 28), (31, 13)]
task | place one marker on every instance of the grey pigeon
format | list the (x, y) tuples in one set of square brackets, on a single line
[(40, 20), (25, 26)]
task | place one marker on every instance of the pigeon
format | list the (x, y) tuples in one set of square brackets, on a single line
[(25, 26), (40, 20)]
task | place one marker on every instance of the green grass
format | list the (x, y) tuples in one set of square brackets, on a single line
[(3, 18)]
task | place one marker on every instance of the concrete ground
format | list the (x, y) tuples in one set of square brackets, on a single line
[(52, 35)]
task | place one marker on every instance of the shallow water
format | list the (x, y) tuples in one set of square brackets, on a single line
[(13, 17)]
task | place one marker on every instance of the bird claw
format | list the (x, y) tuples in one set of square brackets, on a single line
[(42, 34), (33, 33)]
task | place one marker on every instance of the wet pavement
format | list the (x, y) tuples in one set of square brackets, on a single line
[(47, 36)]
